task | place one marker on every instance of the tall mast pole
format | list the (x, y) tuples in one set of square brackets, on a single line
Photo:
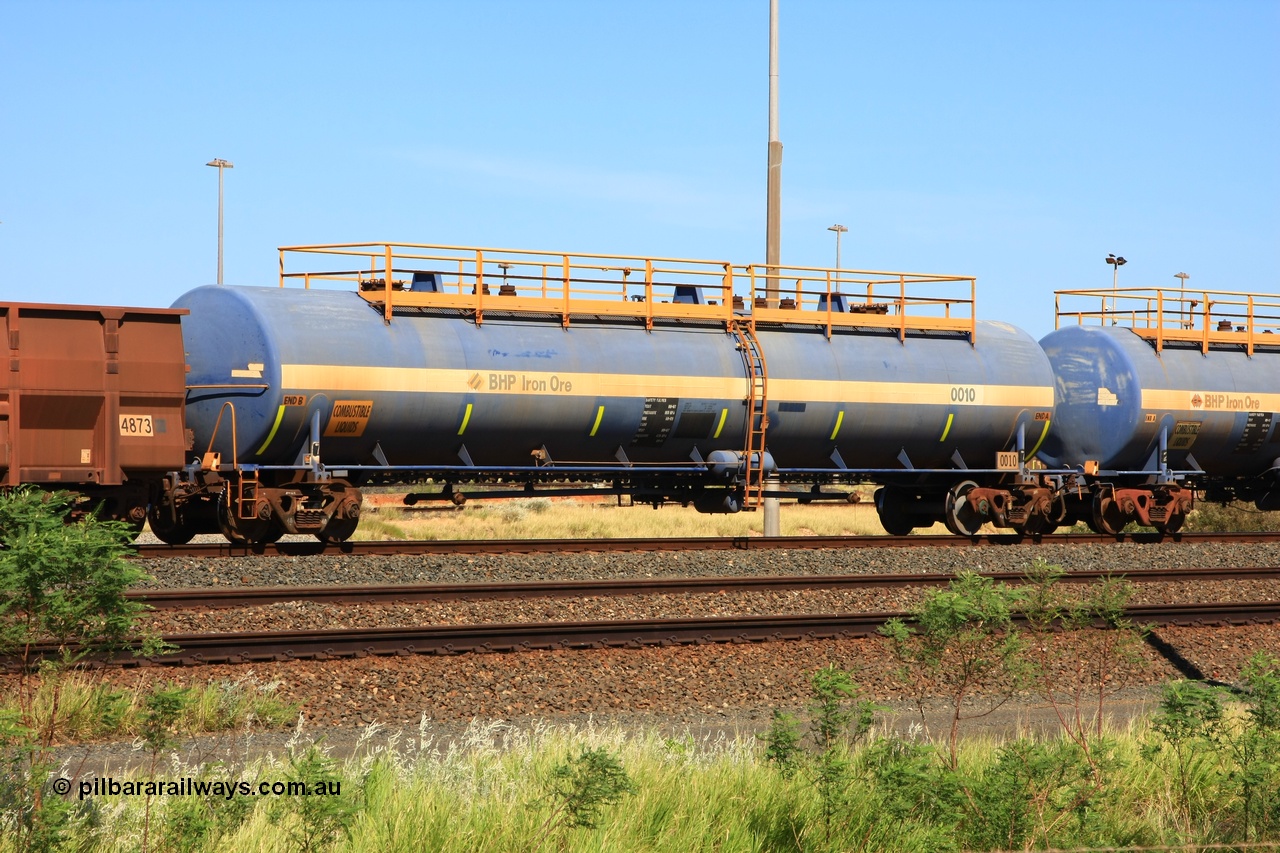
[(773, 221)]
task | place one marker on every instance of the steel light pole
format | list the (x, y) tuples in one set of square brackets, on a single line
[(1182, 300), (220, 165), (773, 186), (1116, 263), (839, 229)]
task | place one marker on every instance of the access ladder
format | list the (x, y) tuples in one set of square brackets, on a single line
[(757, 411)]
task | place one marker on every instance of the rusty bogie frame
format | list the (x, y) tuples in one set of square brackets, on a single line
[(233, 499), (1030, 505), (1164, 506)]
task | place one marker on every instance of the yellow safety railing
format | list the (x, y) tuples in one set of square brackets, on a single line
[(1161, 315), (475, 280), (478, 279), (863, 298)]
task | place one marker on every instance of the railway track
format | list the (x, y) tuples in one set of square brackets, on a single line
[(214, 550), (184, 599), (249, 647), (252, 647)]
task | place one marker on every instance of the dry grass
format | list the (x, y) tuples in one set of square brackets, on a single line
[(541, 518)]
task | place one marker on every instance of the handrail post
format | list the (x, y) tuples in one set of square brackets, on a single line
[(564, 319), (1249, 328), (282, 267), (829, 304), (386, 307), (479, 286), (1159, 321), (973, 312), (726, 291), (1204, 344), (648, 294), (902, 309)]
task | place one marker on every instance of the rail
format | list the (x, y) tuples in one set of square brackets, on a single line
[(1163, 315), (249, 647), (312, 547), (257, 596), (563, 285)]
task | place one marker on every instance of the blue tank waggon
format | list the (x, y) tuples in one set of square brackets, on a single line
[(666, 379), (1160, 393)]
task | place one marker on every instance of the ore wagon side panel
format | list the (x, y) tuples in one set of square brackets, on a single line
[(92, 395)]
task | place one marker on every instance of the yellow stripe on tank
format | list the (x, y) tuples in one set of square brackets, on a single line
[(275, 426), (910, 393), (839, 420), (1043, 433), (724, 413), (599, 417), (364, 379), (466, 419), (447, 380), (946, 431)]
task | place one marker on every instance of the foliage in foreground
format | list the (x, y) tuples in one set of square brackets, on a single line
[(62, 584), (1204, 772), (505, 789)]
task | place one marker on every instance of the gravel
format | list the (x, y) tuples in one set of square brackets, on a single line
[(317, 570), (675, 686), (724, 687), (311, 616)]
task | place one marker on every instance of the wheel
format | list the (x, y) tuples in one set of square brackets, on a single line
[(243, 531), (1173, 524), (338, 530), (893, 518), (273, 534), (1043, 525), (1107, 517), (959, 517), (345, 518), (1038, 525), (135, 524), (166, 528)]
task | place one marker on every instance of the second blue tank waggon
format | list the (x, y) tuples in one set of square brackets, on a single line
[(1160, 393), (672, 379)]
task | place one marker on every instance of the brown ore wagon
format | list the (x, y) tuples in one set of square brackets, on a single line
[(92, 402)]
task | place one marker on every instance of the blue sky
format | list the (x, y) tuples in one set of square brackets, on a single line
[(1018, 142)]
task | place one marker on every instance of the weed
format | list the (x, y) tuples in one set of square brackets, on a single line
[(1190, 723), (62, 584), (1076, 677), (782, 743), (579, 787), (323, 812), (1235, 517), (963, 641)]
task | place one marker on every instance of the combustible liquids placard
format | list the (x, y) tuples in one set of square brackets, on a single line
[(349, 418)]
